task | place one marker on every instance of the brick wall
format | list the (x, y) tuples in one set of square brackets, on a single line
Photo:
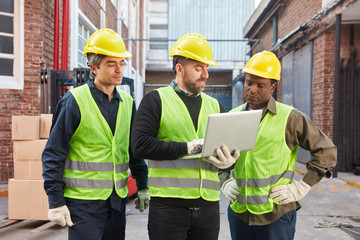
[(295, 14), (266, 39), (48, 34), (111, 15), (291, 15), (142, 14), (91, 9), (38, 50), (323, 73), (323, 80)]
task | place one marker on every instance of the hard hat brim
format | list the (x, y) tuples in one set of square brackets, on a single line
[(258, 73), (194, 57), (97, 50)]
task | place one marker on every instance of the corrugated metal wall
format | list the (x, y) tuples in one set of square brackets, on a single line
[(214, 19)]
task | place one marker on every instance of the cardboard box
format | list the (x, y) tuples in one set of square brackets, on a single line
[(27, 159), (27, 200), (45, 125), (28, 169), (28, 150), (25, 127)]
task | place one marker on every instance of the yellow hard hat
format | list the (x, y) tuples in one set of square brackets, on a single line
[(193, 46), (264, 64), (106, 42)]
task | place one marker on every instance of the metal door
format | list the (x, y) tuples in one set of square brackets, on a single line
[(297, 84)]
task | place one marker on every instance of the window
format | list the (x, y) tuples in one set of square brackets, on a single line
[(158, 33), (83, 35), (124, 6), (275, 30), (133, 20), (11, 44), (114, 3)]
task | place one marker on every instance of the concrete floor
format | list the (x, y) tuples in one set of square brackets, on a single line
[(330, 211)]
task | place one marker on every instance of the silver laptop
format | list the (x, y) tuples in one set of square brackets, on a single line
[(236, 130)]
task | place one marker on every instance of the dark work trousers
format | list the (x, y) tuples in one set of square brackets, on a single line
[(97, 220), (180, 223), (281, 229)]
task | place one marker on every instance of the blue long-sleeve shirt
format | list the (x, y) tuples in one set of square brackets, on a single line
[(66, 119)]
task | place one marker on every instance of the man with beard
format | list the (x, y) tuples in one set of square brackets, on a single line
[(264, 197), (171, 122)]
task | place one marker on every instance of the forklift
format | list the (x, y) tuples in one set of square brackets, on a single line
[(55, 83)]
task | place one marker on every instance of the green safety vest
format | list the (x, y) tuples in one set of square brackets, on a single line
[(191, 178), (98, 160), (269, 164)]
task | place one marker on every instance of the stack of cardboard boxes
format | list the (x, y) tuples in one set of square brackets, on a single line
[(27, 197)]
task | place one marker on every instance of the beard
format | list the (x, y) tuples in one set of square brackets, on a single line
[(195, 87)]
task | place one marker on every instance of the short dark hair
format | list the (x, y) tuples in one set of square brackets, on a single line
[(94, 59), (180, 59)]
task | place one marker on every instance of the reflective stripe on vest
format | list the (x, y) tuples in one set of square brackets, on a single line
[(266, 166), (180, 163), (184, 183), (254, 200), (254, 182), (98, 160), (188, 179), (96, 166), (94, 184)]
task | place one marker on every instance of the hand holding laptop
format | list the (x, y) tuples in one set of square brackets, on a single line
[(224, 158), (195, 146), (236, 130)]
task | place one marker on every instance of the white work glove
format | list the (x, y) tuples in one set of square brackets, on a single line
[(291, 192), (143, 199), (224, 158), (61, 216), (195, 146), (230, 190)]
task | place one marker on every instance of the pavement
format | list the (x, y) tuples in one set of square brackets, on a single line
[(331, 210)]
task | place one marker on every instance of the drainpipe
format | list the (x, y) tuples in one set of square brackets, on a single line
[(65, 36), (56, 34), (337, 89)]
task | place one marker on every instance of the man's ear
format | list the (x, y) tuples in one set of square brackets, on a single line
[(93, 68), (179, 68), (272, 87)]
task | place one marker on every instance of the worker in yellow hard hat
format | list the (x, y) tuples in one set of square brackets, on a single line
[(86, 159), (169, 124), (264, 195)]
